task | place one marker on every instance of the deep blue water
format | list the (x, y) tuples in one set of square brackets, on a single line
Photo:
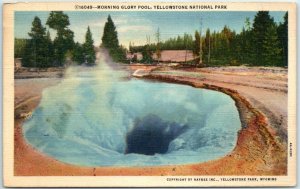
[(94, 118)]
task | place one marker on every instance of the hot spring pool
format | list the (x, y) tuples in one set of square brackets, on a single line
[(92, 118)]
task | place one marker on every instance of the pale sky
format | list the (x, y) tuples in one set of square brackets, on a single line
[(135, 26)]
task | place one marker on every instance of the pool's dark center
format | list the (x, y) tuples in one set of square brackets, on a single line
[(151, 135)]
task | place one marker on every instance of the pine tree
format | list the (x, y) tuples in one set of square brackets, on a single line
[(271, 48), (78, 54), (248, 48), (247, 24), (88, 47), (111, 42), (147, 54), (158, 52), (283, 37), (262, 22), (110, 35), (58, 20), (130, 47), (20, 45), (64, 40), (206, 46), (226, 39), (36, 52), (197, 45), (50, 49)]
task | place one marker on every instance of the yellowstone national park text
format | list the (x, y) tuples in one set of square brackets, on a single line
[(152, 7)]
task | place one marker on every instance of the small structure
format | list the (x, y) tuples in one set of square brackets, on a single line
[(18, 63), (134, 56), (175, 56), (167, 56)]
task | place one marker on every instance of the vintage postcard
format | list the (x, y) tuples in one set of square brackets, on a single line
[(149, 94)]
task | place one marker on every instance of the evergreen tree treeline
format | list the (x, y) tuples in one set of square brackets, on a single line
[(85, 53), (64, 40), (265, 43), (37, 52), (40, 51)]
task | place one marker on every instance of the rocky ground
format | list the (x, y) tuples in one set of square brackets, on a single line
[(27, 73)]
